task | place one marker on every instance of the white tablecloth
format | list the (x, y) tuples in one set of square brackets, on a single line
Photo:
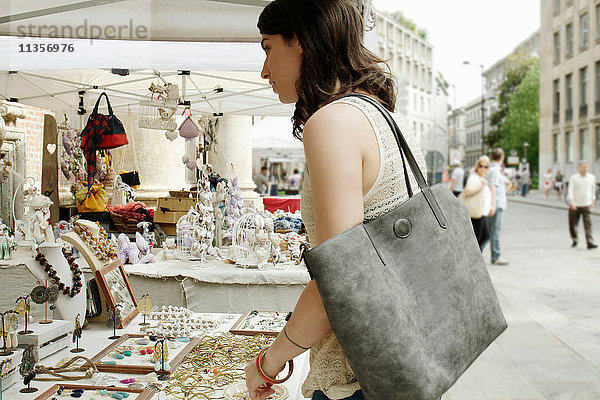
[(214, 271)]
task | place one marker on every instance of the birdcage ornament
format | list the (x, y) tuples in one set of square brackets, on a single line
[(157, 110), (254, 241), (196, 229)]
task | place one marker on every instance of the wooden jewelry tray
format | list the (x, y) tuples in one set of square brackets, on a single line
[(142, 394), (139, 369)]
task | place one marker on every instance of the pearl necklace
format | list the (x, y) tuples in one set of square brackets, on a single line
[(52, 274)]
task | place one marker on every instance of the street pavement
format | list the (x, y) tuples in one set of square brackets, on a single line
[(550, 295)]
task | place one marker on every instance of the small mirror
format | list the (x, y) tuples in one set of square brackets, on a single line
[(117, 290)]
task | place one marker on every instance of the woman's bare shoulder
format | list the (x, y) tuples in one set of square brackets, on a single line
[(337, 119)]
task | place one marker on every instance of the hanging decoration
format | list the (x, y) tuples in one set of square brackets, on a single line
[(210, 127), (196, 229), (188, 128), (157, 110), (72, 161)]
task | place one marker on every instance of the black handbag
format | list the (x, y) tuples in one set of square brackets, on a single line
[(408, 294), (131, 178)]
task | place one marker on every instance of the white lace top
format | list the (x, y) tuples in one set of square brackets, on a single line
[(329, 370)]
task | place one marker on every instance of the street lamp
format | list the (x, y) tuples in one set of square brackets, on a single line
[(525, 146), (482, 105)]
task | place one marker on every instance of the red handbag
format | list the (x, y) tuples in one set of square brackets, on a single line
[(102, 132)]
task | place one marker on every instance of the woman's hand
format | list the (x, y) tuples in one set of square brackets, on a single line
[(258, 388)]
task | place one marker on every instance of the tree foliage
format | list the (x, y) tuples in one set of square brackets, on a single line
[(399, 17), (517, 118), (522, 120)]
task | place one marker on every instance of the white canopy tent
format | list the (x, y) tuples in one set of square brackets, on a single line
[(272, 139), (216, 40), (54, 83)]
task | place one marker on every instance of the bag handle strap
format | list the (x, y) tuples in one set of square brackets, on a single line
[(110, 110), (405, 151)]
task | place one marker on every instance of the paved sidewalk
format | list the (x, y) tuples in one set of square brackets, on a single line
[(538, 197), (551, 299)]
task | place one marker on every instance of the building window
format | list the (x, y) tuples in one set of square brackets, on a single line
[(597, 88), (583, 92), (556, 6), (556, 101), (556, 47), (584, 29), (569, 147), (598, 143), (583, 147), (569, 94), (569, 40), (555, 148), (597, 21)]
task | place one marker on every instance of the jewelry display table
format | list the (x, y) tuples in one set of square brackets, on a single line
[(95, 338), (220, 288)]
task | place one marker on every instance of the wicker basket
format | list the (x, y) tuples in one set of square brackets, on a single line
[(124, 224)]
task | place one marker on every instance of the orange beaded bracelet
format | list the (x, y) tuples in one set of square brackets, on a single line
[(265, 376)]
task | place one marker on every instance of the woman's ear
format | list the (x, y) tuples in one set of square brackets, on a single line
[(295, 42)]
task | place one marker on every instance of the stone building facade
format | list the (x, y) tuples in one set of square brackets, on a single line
[(569, 85)]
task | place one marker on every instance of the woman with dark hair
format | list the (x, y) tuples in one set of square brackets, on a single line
[(314, 57)]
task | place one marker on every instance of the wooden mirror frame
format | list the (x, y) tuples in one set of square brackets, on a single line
[(110, 300)]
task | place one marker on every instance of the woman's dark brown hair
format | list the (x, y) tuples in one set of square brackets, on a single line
[(331, 35)]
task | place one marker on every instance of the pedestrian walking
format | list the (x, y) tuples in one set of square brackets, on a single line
[(477, 198), (558, 184), (498, 190), (525, 181), (548, 182), (581, 196), (457, 179)]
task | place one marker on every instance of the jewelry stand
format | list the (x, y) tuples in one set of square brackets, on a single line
[(75, 240), (5, 351), (67, 307), (145, 305), (76, 335), (113, 310), (27, 308), (27, 369), (45, 320), (162, 376)]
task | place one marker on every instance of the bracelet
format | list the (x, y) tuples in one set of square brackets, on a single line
[(265, 376), (292, 342)]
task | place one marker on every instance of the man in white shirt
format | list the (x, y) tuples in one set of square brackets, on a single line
[(581, 196), (457, 179)]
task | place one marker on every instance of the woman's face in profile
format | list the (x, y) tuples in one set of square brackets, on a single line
[(283, 60)]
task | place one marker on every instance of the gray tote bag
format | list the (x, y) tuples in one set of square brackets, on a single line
[(408, 294)]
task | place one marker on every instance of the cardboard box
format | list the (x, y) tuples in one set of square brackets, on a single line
[(173, 204), (167, 217), (169, 229), (191, 202)]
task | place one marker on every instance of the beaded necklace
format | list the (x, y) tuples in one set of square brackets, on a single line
[(100, 245), (52, 274)]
